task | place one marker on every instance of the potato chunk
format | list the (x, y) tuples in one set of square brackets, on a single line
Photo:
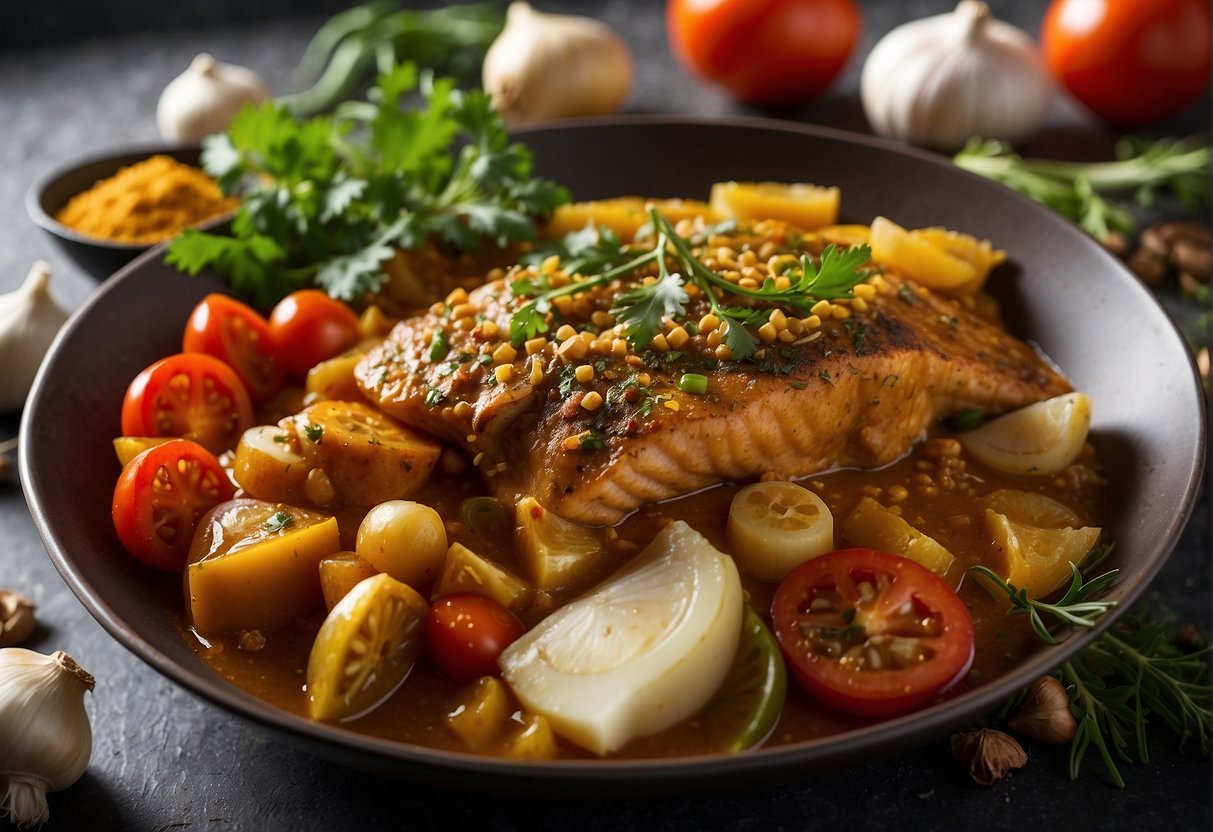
[(341, 573), (555, 552), (254, 565)]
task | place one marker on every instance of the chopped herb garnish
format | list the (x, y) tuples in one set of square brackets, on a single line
[(906, 294), (374, 440), (315, 433), (278, 522), (439, 347), (966, 420), (434, 397), (591, 440), (825, 376)]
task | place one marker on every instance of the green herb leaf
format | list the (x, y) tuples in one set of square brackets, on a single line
[(643, 309), (315, 433), (278, 522)]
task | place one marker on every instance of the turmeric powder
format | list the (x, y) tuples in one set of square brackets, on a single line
[(146, 203)]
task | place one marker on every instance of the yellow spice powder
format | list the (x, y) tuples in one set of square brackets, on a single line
[(146, 203)]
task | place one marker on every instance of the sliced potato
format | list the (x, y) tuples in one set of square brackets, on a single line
[(776, 526), (624, 215), (254, 565), (480, 713), (365, 649), (129, 447), (555, 552), (917, 258), (406, 540), (341, 573), (805, 206), (875, 527), (369, 457), (266, 467), (1041, 439), (1034, 558), (465, 571)]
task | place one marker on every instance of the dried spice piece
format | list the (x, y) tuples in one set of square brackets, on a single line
[(1044, 714), (988, 755), (1182, 245), (17, 619)]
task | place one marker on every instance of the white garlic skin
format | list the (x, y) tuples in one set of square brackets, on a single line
[(205, 98), (549, 66), (46, 740), (941, 80), (29, 320)]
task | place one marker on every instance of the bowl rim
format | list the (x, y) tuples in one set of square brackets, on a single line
[(804, 757), (124, 157)]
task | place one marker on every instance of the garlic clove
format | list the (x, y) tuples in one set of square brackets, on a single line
[(549, 66), (941, 80), (29, 320), (17, 621), (205, 98), (47, 737)]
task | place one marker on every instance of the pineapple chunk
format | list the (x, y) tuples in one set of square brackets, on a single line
[(556, 553), (465, 571), (874, 526)]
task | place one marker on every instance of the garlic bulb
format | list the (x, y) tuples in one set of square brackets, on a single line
[(29, 319), (940, 80), (47, 739), (546, 66), (205, 98)]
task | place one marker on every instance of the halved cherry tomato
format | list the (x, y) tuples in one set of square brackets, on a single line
[(872, 633), (235, 334), (309, 327), (466, 633), (190, 395), (1133, 62), (160, 497), (772, 53)]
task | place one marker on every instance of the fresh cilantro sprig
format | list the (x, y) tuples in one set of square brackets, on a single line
[(643, 309), (329, 200)]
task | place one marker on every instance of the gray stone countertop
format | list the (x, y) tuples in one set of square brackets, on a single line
[(163, 759)]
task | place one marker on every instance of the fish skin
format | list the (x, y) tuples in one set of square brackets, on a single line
[(843, 400)]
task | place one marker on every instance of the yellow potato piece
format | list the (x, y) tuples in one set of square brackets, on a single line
[(365, 649), (405, 539), (555, 553), (918, 258), (1034, 558), (334, 378), (480, 713), (266, 467), (624, 215), (774, 527), (341, 573), (875, 527), (369, 457), (129, 447), (465, 571), (533, 740), (805, 206), (254, 565), (1040, 439)]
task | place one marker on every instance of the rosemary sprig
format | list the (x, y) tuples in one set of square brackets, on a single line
[(1076, 189), (1127, 675), (642, 309)]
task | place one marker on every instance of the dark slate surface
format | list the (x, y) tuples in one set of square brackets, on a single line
[(163, 759)]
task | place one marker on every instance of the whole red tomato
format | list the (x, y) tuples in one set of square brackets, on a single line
[(771, 53), (466, 633), (1130, 61), (308, 327)]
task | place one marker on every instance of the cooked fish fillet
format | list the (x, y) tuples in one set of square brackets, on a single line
[(850, 393)]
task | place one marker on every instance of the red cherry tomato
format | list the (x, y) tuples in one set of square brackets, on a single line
[(1130, 61), (771, 53), (235, 334), (309, 327), (466, 633), (871, 633), (190, 395), (160, 497)]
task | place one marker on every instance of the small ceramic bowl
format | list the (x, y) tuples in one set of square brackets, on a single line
[(51, 191)]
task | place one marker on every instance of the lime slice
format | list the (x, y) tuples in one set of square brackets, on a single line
[(748, 704)]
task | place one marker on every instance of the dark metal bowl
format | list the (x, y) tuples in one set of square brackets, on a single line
[(51, 191), (1061, 290)]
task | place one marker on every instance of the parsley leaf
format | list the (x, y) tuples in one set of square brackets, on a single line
[(642, 309), (328, 200), (278, 522)]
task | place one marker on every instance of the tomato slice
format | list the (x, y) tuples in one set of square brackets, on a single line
[(189, 395), (872, 633), (466, 633), (235, 334), (160, 497), (309, 327)]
